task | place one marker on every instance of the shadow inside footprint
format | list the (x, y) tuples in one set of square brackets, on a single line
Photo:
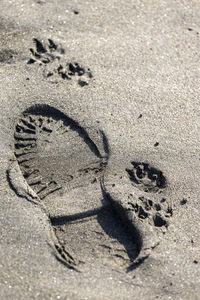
[(63, 164), (113, 226), (135, 192), (111, 236)]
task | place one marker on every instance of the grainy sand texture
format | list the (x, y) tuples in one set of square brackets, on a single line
[(99, 149)]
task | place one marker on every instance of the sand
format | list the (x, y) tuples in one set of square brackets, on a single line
[(111, 90)]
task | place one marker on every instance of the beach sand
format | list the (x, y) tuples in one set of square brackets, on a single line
[(106, 94)]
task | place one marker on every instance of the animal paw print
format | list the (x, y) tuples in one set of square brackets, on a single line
[(45, 55), (146, 178), (157, 213), (74, 70), (135, 193), (51, 59)]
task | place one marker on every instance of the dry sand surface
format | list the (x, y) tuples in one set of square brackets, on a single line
[(99, 149)]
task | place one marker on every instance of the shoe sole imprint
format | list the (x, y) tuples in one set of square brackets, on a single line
[(62, 165)]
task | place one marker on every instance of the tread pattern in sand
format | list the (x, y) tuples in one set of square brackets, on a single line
[(54, 152), (46, 146)]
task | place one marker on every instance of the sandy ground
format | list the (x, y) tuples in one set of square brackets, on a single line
[(140, 86)]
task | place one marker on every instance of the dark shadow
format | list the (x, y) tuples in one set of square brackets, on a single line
[(105, 143), (111, 223), (61, 220), (122, 215), (49, 111), (113, 226)]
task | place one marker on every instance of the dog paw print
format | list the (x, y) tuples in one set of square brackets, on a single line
[(135, 190), (145, 177), (54, 65), (45, 55), (74, 70), (157, 213)]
